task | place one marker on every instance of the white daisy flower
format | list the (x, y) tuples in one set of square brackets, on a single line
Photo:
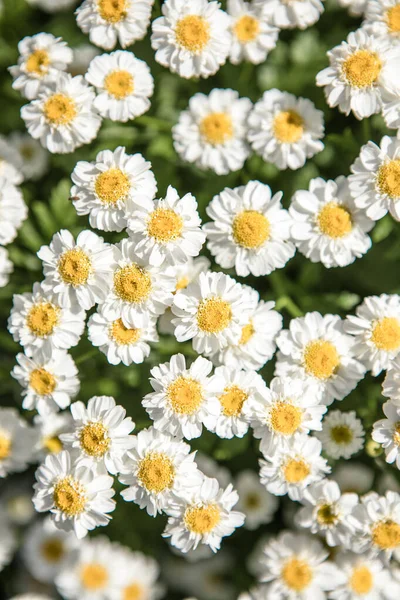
[(48, 384), (212, 312), (108, 22), (204, 516), (211, 132), (13, 211), (10, 162), (387, 433), (325, 511), (376, 331), (255, 502), (353, 477), (191, 38), (253, 35), (16, 498), (362, 69), (62, 117), (293, 466), (166, 231), (105, 187), (49, 427), (328, 227), (391, 383), (250, 230), (342, 434), (6, 267), (77, 272), (383, 19), (39, 323), (83, 55), (375, 183), (288, 407), (41, 58), (17, 441), (293, 13), (100, 433), (285, 130), (78, 497), (157, 467), (138, 291), (123, 83), (51, 7), (137, 575), (35, 159), (356, 8), (8, 540)]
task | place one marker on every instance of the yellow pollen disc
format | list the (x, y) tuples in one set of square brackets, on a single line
[(185, 395), (69, 496), (94, 439), (123, 335), (132, 283), (156, 472), (297, 574), (38, 62), (60, 109), (214, 315), (388, 178), (133, 592), (182, 283), (52, 444), (42, 319), (5, 446), (74, 267), (192, 33), (247, 333), (341, 434), (285, 418), (321, 359), (393, 19), (386, 334), (396, 433), (288, 127), (27, 151), (94, 576), (111, 186), (42, 382), (52, 550), (232, 400), (362, 68), (334, 221), (112, 11), (246, 29), (216, 128), (252, 501), (296, 470), (386, 535), (165, 225), (326, 515), (250, 229), (361, 580), (119, 84), (202, 519)]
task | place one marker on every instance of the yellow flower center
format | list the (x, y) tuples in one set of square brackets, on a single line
[(362, 68), (42, 319), (69, 496), (214, 315), (393, 19), (38, 62), (388, 178), (285, 418), (250, 229), (192, 33), (232, 400), (296, 470), (246, 29), (386, 535), (396, 433), (361, 580), (182, 283), (123, 335), (94, 439), (94, 576), (119, 83), (326, 514), (112, 11), (42, 382), (52, 550), (334, 221), (297, 574), (216, 128), (252, 501), (288, 127), (132, 283), (165, 225), (111, 186), (156, 472), (52, 444), (133, 592), (74, 267), (386, 334), (247, 333), (202, 519), (341, 434), (185, 395), (60, 109), (321, 359), (5, 446)]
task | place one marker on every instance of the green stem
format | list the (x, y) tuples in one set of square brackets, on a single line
[(86, 356), (285, 302), (153, 122)]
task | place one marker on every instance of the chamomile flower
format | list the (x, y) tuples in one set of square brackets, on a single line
[(288, 407), (49, 427), (137, 574), (293, 466), (342, 434), (316, 348), (10, 162), (123, 83), (212, 312), (166, 231), (192, 40), (78, 497), (353, 477), (62, 117), (293, 13), (8, 540), (383, 19), (77, 272), (34, 158), (328, 227), (285, 130), (50, 6), (13, 211), (250, 230), (391, 384), (253, 36), (17, 440), (6, 267), (362, 69), (83, 55), (387, 433), (108, 22), (100, 433), (255, 502), (203, 516), (157, 467), (374, 183), (48, 384), (211, 132), (41, 58), (376, 331), (356, 8), (104, 188)]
